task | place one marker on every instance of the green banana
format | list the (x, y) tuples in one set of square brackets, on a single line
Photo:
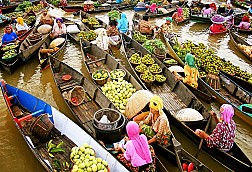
[(54, 150), (60, 144)]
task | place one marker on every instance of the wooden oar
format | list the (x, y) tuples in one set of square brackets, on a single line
[(201, 141), (177, 150)]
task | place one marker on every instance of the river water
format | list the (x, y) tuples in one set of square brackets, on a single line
[(15, 155)]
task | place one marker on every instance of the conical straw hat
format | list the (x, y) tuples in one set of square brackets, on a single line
[(137, 102)]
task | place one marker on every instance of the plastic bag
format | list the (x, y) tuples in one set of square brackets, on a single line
[(104, 119)]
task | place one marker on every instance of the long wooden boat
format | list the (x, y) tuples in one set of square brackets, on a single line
[(202, 91), (24, 108), (84, 15), (11, 66), (236, 39), (169, 12), (245, 31), (10, 8), (96, 100), (173, 94), (224, 96), (44, 58), (28, 49), (242, 5)]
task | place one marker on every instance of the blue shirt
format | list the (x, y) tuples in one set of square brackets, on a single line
[(9, 37)]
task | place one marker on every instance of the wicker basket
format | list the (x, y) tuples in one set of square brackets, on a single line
[(119, 77), (103, 81), (169, 64), (213, 81), (112, 115), (159, 56), (147, 83), (75, 96)]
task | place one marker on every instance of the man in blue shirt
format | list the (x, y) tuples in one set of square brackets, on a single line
[(9, 35)]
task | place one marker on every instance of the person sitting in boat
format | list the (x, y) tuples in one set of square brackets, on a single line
[(63, 3), (123, 24), (113, 32), (167, 28), (229, 12), (9, 35), (178, 16), (191, 72), (59, 29), (3, 17), (21, 26), (138, 156), (43, 3), (153, 8), (245, 23), (207, 10), (223, 136), (250, 10), (213, 7), (217, 25), (46, 18), (156, 125), (222, 9), (145, 26)]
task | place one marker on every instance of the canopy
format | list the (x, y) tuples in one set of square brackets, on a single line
[(137, 102)]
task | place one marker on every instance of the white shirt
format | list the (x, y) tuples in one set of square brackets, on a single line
[(58, 30), (20, 27)]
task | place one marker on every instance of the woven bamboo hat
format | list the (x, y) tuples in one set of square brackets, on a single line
[(218, 19), (189, 114), (137, 102)]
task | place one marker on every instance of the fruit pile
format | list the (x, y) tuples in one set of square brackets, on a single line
[(91, 21), (207, 61), (89, 36), (147, 59), (151, 45), (186, 13), (114, 15), (246, 49), (9, 47), (188, 167), (155, 69), (30, 20), (139, 37), (9, 54), (135, 58), (147, 76), (14, 14), (117, 73), (100, 74), (169, 61), (160, 78), (22, 6), (118, 92), (84, 159), (141, 68), (34, 8)]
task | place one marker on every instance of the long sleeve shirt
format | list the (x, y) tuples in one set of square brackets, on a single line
[(20, 27), (9, 37)]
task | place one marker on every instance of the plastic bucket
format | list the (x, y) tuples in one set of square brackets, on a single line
[(42, 126), (110, 136)]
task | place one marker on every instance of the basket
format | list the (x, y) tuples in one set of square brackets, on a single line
[(158, 82), (16, 45), (75, 96), (34, 38), (111, 74), (139, 72), (42, 126), (147, 83), (169, 64), (102, 81), (213, 81), (112, 115), (10, 60), (159, 56)]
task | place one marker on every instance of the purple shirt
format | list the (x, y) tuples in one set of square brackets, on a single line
[(207, 11), (222, 136), (244, 25), (131, 155)]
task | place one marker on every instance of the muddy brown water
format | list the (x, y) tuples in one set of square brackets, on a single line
[(15, 155)]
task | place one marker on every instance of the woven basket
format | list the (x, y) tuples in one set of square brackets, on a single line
[(75, 96), (213, 81)]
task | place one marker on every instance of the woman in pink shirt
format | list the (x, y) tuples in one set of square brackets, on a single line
[(138, 155), (207, 10)]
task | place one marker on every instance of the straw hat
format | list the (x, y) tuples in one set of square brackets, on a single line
[(137, 102), (218, 19), (189, 114)]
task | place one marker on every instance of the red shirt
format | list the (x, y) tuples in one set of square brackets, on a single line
[(217, 28)]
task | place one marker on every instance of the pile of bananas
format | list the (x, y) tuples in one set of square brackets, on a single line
[(53, 148), (34, 8), (139, 37), (30, 20), (147, 59), (89, 36), (9, 47), (135, 58), (9, 54), (14, 14)]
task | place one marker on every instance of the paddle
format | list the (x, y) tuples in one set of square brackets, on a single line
[(201, 141)]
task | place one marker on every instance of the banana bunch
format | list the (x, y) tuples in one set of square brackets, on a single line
[(89, 36), (93, 21), (186, 12), (34, 8), (53, 148)]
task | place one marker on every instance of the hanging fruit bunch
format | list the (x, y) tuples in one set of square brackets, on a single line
[(139, 37), (114, 15), (186, 13)]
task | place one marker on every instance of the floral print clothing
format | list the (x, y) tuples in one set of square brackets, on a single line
[(160, 126), (223, 136), (112, 31), (145, 27)]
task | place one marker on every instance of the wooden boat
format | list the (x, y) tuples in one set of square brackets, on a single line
[(12, 65), (202, 91), (200, 18), (173, 94), (223, 95), (24, 108), (137, 8), (236, 39), (95, 100), (43, 58), (242, 5), (245, 31), (10, 8), (217, 33), (28, 48), (169, 12), (84, 15), (4, 22)]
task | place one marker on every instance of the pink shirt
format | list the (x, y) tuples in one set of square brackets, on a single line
[(244, 25), (207, 11), (131, 155)]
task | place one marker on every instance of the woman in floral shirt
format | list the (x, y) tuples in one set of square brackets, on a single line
[(223, 136)]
